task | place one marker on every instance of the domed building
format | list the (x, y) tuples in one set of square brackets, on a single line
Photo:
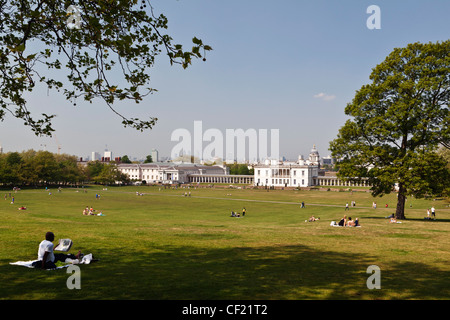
[(314, 157)]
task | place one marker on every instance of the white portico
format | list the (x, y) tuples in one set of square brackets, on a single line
[(275, 173)]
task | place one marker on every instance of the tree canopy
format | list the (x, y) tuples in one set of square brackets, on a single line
[(78, 48), (396, 124), (46, 168), (125, 159), (240, 169), (148, 159)]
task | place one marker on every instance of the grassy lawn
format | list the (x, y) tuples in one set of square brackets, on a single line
[(162, 245)]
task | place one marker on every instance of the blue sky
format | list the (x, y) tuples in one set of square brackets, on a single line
[(287, 65)]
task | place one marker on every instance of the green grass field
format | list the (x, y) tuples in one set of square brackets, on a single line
[(162, 245)]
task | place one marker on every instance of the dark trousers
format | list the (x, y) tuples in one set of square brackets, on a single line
[(51, 265)]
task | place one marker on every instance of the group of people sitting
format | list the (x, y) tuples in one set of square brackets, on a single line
[(348, 222), (90, 212), (237, 214)]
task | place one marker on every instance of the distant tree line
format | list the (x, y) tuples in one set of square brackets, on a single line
[(126, 159), (240, 169), (46, 168)]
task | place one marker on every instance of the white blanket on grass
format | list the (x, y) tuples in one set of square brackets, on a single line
[(335, 224), (28, 264), (85, 260)]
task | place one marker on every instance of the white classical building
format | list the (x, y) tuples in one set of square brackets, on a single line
[(301, 173), (272, 173), (171, 173)]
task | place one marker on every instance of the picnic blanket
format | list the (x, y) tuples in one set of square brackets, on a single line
[(29, 264), (334, 224)]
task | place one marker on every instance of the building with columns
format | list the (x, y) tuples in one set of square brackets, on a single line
[(301, 173), (227, 179), (169, 173), (335, 181), (272, 173)]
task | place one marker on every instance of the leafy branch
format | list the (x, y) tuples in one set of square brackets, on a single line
[(36, 44)]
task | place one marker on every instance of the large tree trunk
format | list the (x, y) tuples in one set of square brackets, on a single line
[(401, 199)]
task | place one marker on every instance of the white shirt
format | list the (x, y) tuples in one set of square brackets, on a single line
[(46, 246)]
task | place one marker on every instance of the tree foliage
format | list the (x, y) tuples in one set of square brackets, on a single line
[(397, 123), (109, 174), (45, 168), (38, 167), (125, 159), (240, 169), (148, 159), (40, 43)]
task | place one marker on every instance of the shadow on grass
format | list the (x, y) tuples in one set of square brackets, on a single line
[(410, 219), (183, 273)]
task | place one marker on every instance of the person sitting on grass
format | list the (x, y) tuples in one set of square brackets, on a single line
[(343, 221), (394, 220), (46, 257), (88, 212), (350, 222), (235, 214), (353, 223)]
